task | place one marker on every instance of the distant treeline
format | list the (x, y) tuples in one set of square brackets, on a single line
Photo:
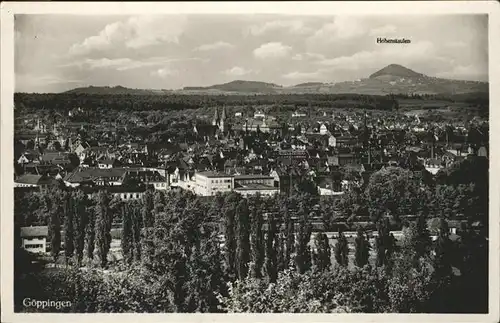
[(172, 102)]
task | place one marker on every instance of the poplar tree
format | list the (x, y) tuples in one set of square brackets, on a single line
[(289, 237), (271, 256), (69, 235), (127, 239), (384, 243), (55, 226), (229, 236), (342, 250), (243, 245), (362, 249), (80, 220), (323, 252), (303, 251), (90, 232), (258, 251), (148, 220), (279, 247), (103, 228), (136, 231)]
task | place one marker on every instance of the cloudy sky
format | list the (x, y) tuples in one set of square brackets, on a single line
[(55, 53)]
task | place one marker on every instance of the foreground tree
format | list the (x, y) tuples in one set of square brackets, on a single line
[(271, 252), (127, 239), (384, 243), (243, 245), (362, 249), (55, 226), (230, 235), (103, 227), (342, 250), (90, 233), (323, 252), (289, 237), (80, 222), (303, 251), (148, 220), (136, 231), (257, 240), (69, 234)]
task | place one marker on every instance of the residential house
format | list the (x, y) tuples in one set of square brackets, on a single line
[(34, 239)]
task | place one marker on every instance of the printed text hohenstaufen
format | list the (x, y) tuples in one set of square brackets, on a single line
[(393, 40)]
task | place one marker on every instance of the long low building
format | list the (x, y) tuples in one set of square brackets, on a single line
[(211, 183), (255, 184), (35, 181), (253, 189), (116, 177)]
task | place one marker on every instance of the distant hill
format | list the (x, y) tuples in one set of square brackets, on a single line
[(102, 90), (308, 84), (392, 79), (240, 86), (396, 70)]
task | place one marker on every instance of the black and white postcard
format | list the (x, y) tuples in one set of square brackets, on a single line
[(316, 161)]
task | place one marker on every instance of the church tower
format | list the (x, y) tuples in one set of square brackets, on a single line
[(215, 121), (223, 120)]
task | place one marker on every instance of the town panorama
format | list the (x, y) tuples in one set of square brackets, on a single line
[(249, 172)]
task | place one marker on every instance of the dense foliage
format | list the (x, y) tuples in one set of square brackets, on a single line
[(184, 253)]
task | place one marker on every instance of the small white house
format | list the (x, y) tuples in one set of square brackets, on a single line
[(259, 114), (34, 239)]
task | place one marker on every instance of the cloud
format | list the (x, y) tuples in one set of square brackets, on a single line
[(303, 75), (342, 28), (398, 54), (134, 33), (215, 46), (465, 72), (293, 26), (237, 71), (124, 64), (306, 56), (272, 50), (383, 30), (164, 72), (100, 63)]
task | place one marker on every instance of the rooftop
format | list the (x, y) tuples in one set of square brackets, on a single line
[(255, 186), (251, 176), (213, 174), (34, 231)]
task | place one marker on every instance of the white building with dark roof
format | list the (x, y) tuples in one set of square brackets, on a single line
[(32, 180), (210, 183), (34, 239)]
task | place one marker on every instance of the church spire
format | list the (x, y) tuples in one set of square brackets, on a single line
[(223, 116), (215, 121)]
